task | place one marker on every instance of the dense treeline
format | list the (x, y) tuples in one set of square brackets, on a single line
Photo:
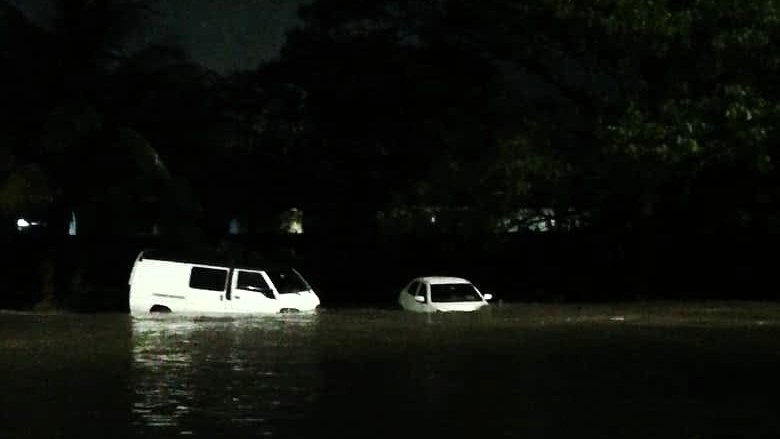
[(391, 122)]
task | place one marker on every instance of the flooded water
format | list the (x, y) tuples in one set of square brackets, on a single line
[(514, 371)]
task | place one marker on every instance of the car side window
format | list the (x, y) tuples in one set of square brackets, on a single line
[(253, 281)]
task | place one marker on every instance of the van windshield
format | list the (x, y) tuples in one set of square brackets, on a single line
[(454, 293), (288, 281)]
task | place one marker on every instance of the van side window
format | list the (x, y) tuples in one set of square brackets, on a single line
[(253, 281), (203, 278)]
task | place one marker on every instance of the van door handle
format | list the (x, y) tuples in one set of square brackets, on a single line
[(237, 297), (221, 298)]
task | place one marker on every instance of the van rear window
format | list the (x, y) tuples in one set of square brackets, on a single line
[(203, 278)]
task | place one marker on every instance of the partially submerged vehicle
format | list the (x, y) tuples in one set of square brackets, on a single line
[(439, 293), (171, 284)]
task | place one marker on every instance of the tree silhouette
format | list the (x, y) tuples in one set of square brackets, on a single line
[(74, 115), (73, 126), (628, 110)]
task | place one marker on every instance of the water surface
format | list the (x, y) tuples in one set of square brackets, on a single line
[(512, 371)]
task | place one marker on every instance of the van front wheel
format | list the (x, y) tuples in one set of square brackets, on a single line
[(288, 310), (159, 309)]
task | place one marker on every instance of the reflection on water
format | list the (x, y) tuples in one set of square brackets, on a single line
[(249, 376), (511, 372)]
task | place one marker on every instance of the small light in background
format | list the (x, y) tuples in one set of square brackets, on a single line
[(292, 221), (72, 224), (234, 227), (22, 224)]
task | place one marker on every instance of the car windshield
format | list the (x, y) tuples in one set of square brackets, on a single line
[(454, 293), (288, 281)]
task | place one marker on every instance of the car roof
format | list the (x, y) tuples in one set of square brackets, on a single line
[(433, 280)]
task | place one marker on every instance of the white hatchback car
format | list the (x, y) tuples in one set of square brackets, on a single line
[(438, 293)]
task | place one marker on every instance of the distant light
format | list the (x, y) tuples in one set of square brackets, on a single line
[(234, 227), (433, 219), (22, 224), (292, 221), (72, 224)]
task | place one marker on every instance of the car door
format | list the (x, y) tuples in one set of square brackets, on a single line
[(251, 292), (408, 296), (422, 290)]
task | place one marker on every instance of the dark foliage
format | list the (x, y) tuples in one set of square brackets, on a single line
[(414, 135)]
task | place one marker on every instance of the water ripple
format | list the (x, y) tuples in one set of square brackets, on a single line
[(243, 372)]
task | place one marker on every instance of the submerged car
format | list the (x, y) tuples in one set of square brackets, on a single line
[(439, 293)]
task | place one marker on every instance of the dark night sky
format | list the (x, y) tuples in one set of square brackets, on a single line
[(226, 35), (221, 34)]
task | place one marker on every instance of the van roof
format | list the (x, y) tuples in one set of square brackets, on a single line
[(252, 262)]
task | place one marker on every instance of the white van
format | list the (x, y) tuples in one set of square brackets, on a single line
[(163, 284)]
